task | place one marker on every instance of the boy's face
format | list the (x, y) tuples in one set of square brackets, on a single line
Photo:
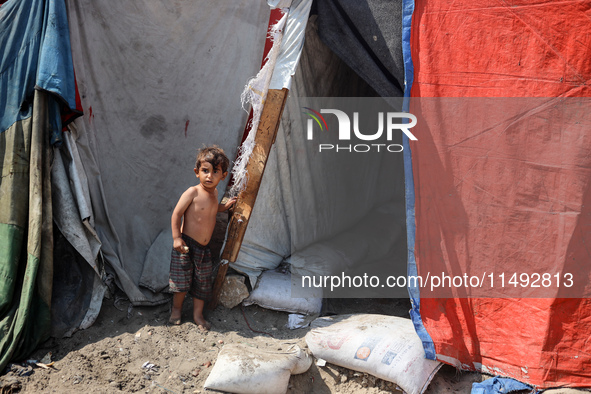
[(209, 176)]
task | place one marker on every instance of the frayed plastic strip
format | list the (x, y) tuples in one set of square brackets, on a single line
[(255, 93), (279, 3)]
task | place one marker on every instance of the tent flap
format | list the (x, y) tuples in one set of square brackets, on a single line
[(36, 88), (26, 260)]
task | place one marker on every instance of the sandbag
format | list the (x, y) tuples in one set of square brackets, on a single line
[(273, 291), (244, 369), (384, 346)]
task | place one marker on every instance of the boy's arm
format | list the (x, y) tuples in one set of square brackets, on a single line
[(177, 219), (227, 205)]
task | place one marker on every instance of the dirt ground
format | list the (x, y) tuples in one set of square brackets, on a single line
[(131, 350)]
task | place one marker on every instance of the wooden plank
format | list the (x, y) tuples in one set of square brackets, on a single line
[(264, 139)]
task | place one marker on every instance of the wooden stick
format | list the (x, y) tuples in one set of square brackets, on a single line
[(264, 139)]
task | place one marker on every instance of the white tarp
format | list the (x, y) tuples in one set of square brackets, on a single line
[(293, 42)]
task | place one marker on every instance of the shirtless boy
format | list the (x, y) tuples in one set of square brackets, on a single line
[(193, 221)]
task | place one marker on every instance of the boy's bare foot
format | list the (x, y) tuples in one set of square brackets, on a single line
[(176, 311), (202, 324), (175, 319)]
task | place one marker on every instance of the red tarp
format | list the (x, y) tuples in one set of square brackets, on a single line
[(510, 195)]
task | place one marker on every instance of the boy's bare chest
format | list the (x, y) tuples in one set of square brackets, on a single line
[(204, 206)]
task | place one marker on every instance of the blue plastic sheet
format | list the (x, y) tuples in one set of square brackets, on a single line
[(415, 298), (499, 385), (36, 53)]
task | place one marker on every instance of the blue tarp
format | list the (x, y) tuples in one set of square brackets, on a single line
[(35, 54), (499, 385), (408, 7)]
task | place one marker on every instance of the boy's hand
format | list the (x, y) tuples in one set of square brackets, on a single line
[(230, 202), (180, 246), (227, 205)]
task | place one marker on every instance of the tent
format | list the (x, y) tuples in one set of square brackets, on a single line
[(157, 81)]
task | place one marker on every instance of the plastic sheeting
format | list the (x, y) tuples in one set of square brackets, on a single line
[(74, 282), (296, 183), (152, 97), (279, 66), (26, 240), (35, 39), (255, 94), (158, 80), (523, 49), (366, 35), (35, 55), (292, 44), (499, 385)]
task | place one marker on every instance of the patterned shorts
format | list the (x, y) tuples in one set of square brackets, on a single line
[(192, 271)]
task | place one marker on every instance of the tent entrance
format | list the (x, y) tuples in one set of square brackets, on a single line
[(342, 209)]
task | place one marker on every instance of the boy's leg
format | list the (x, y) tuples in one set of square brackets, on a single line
[(179, 281), (198, 314), (177, 308)]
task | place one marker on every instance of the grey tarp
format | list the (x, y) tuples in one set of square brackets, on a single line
[(78, 288), (366, 35), (157, 81)]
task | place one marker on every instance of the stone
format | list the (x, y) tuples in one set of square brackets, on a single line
[(233, 291)]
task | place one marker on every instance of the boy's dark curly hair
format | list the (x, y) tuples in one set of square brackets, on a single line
[(213, 155)]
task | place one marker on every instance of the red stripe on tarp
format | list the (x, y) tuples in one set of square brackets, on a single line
[(70, 114), (274, 17)]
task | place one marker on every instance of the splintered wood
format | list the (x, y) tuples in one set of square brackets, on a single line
[(264, 139)]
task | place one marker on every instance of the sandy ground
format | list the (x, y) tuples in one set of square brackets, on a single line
[(108, 357)]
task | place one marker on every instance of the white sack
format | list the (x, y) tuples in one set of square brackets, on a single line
[(384, 346), (243, 369), (273, 291)]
